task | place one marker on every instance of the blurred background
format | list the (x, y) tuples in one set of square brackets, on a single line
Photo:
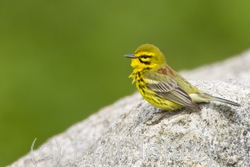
[(61, 61)]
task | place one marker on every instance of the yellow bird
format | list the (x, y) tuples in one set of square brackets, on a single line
[(163, 87)]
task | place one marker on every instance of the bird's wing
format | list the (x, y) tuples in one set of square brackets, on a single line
[(169, 89)]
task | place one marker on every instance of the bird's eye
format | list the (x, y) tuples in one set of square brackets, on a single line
[(145, 56)]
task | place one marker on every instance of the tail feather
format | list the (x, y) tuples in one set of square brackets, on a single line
[(204, 97), (225, 101)]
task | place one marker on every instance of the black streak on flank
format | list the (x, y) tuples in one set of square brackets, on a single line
[(142, 88), (139, 74)]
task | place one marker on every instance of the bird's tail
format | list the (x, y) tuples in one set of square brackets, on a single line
[(204, 97), (224, 101)]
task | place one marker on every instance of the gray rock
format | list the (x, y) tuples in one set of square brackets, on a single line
[(128, 133)]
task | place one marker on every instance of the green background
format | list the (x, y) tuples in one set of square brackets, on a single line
[(60, 61)]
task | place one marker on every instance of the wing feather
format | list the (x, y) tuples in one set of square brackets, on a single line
[(168, 88)]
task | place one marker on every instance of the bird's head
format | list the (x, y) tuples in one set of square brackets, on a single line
[(146, 57)]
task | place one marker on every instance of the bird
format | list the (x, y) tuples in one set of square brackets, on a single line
[(163, 87)]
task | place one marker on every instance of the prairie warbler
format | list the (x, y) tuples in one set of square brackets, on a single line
[(161, 86)]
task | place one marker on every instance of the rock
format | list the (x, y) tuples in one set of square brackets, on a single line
[(126, 134)]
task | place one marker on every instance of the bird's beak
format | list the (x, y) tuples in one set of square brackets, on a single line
[(130, 56)]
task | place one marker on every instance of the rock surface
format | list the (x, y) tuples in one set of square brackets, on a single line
[(126, 134)]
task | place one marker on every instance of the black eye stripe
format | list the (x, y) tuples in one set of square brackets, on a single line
[(145, 56), (144, 62)]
